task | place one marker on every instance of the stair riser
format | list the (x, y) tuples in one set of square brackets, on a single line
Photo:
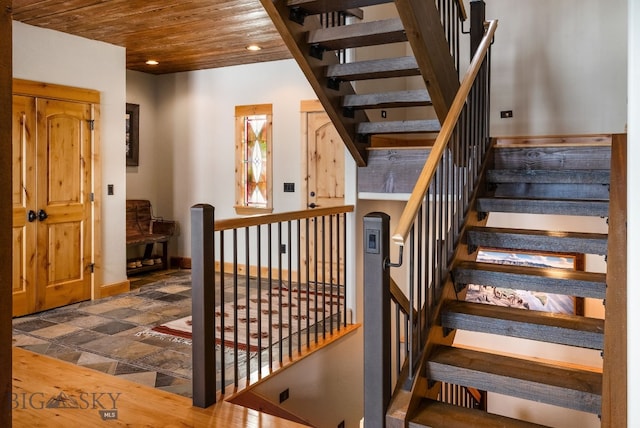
[(577, 208), (538, 243), (553, 191), (550, 334), (549, 176), (571, 399), (538, 158), (570, 287)]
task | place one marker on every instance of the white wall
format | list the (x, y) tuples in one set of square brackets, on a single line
[(142, 179), (55, 57), (332, 390), (195, 136), (560, 66)]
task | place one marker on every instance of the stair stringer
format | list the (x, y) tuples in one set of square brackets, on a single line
[(421, 20)]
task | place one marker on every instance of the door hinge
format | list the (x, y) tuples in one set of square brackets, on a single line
[(92, 123), (92, 197), (92, 267)]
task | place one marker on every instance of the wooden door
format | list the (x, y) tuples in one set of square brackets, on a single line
[(325, 162), (324, 188), (23, 197), (52, 216)]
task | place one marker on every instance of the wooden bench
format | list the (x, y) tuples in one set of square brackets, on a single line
[(144, 229)]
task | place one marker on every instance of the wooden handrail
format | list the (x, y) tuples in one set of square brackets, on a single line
[(463, 11), (429, 169), (237, 223)]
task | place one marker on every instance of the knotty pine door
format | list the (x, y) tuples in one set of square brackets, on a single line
[(52, 242), (324, 171)]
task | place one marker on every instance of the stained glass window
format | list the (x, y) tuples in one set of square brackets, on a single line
[(255, 171), (253, 155)]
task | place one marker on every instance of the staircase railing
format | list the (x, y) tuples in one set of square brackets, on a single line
[(430, 227), (264, 289), (452, 15)]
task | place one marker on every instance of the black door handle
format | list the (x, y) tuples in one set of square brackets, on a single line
[(313, 205), (42, 215), (31, 216)]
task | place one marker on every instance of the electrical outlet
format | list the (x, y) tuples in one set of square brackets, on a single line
[(506, 114), (283, 248), (284, 395)]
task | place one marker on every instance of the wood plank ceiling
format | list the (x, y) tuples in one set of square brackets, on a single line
[(180, 35)]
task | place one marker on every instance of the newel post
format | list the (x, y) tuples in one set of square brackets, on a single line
[(478, 19), (377, 320), (203, 306)]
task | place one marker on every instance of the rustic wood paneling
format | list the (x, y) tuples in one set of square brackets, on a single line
[(5, 213), (185, 35), (392, 170), (554, 157)]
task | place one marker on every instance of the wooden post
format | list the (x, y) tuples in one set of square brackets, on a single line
[(377, 320), (203, 306), (614, 381), (6, 233), (478, 18)]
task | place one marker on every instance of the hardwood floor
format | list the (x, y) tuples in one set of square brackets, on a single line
[(53, 393)]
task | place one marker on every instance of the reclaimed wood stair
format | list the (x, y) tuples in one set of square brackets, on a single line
[(549, 179), (316, 47), (545, 175)]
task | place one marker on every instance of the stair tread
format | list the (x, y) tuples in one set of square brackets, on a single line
[(398, 127), (573, 322), (550, 280), (356, 35), (417, 97), (565, 329), (544, 206), (436, 414), (374, 69), (533, 380), (543, 240), (548, 176), (325, 6)]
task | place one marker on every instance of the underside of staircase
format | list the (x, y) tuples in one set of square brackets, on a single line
[(320, 34)]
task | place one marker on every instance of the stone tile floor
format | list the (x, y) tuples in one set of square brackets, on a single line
[(107, 334), (101, 334)]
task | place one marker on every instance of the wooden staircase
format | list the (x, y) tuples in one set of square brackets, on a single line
[(319, 47), (557, 176), (525, 178)]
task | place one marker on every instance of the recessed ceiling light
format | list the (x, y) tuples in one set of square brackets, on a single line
[(253, 48), (152, 62)]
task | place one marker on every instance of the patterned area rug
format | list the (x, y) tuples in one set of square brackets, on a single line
[(277, 313)]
